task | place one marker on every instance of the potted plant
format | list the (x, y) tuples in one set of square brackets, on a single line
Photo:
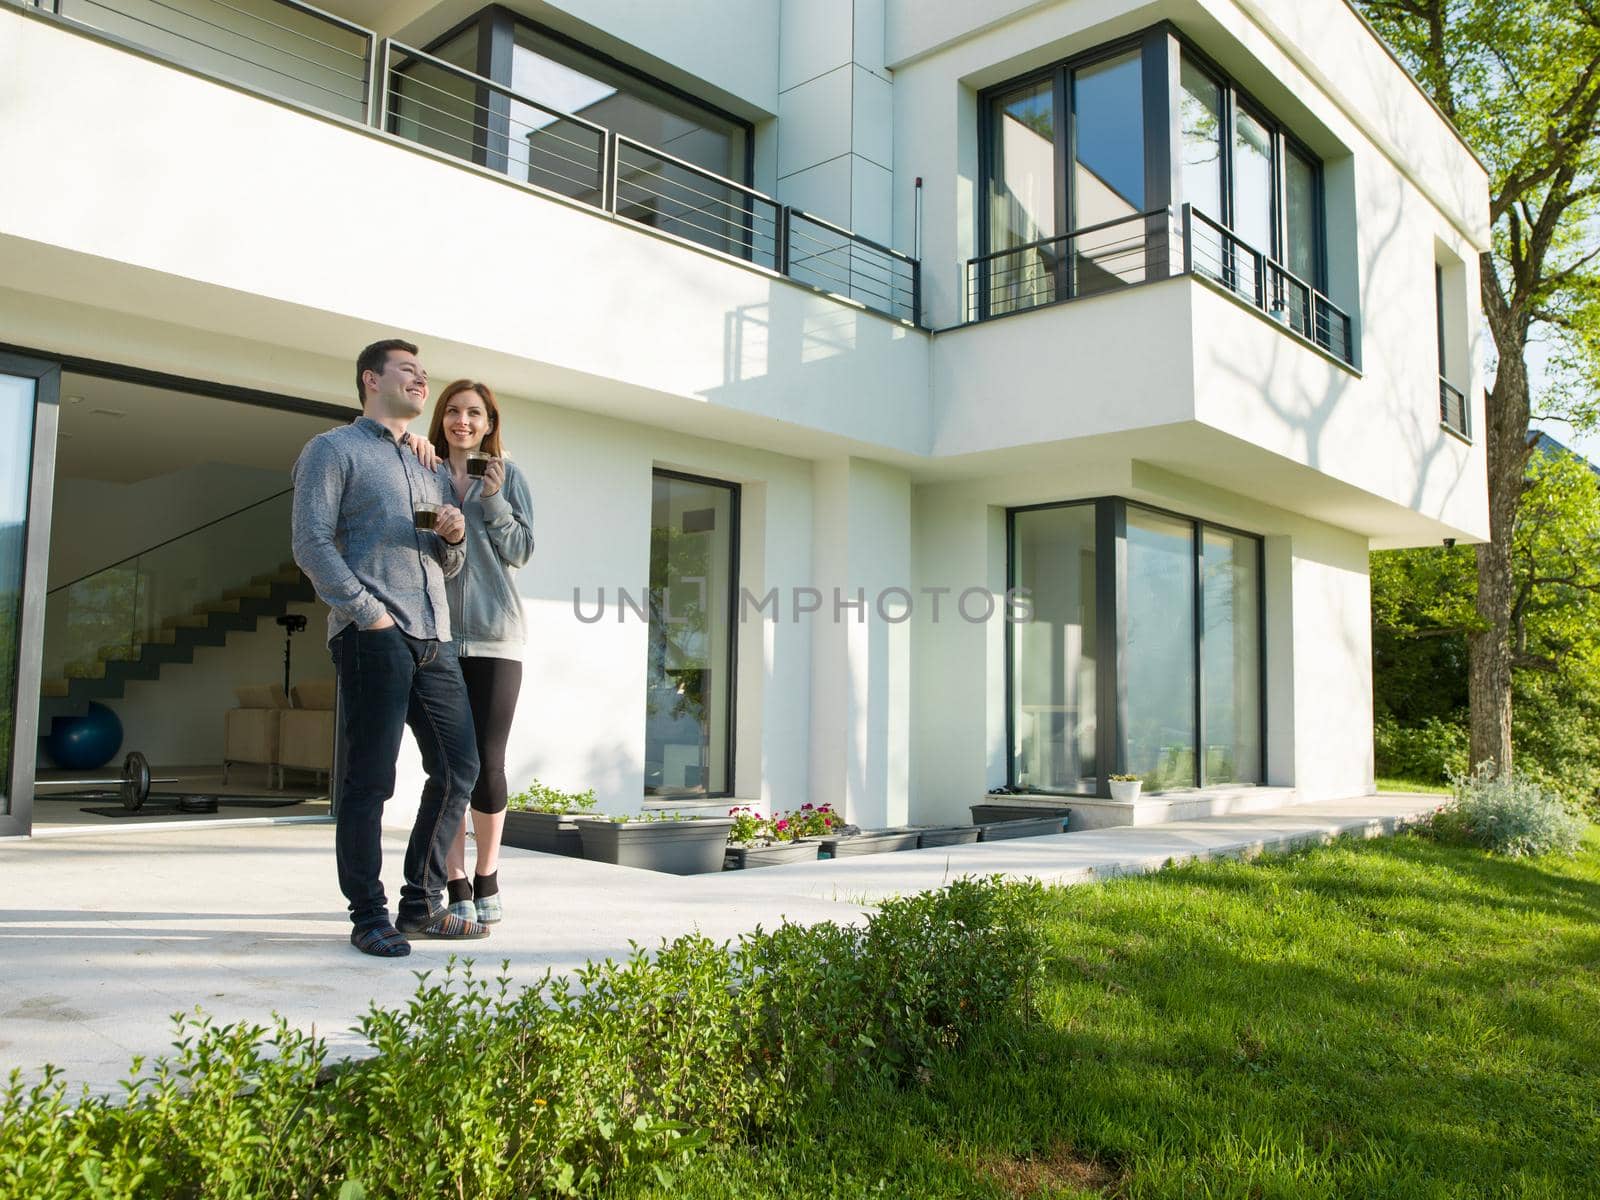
[(657, 841), (542, 818), (847, 841), (1125, 788), (757, 841)]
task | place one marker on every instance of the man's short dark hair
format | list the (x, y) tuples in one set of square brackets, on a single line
[(374, 358)]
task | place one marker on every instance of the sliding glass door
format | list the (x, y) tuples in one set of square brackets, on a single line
[(29, 395), (1142, 652)]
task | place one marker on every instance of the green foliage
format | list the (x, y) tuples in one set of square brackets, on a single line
[(479, 1089), (1507, 813), (1430, 752), (539, 797), (1423, 605)]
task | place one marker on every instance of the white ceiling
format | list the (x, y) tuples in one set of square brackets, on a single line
[(161, 430)]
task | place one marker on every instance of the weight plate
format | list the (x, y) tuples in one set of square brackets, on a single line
[(135, 781)]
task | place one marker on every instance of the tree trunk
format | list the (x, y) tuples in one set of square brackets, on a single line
[(1506, 444)]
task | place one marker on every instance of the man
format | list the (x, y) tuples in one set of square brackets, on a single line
[(356, 490)]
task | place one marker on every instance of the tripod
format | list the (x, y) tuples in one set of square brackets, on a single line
[(292, 623)]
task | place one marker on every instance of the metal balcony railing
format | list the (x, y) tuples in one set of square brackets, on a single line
[(1143, 247), (1453, 407), (290, 50)]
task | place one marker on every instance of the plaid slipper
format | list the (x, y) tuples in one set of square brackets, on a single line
[(442, 924), (489, 910), (380, 941)]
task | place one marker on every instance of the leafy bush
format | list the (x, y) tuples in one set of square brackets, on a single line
[(1431, 752), (1508, 813), (539, 797), (478, 1088)]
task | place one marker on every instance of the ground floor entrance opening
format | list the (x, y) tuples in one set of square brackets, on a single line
[(153, 607)]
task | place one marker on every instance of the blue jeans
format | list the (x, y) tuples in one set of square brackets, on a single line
[(388, 680)]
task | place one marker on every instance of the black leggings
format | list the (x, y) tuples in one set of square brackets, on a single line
[(492, 687)]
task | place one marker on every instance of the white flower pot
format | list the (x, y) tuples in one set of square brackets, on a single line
[(1126, 791)]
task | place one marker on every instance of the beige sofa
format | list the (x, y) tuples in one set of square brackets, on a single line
[(251, 733), (305, 732)]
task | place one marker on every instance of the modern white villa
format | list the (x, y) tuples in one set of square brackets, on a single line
[(918, 397)]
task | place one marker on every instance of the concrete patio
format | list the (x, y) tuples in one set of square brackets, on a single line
[(106, 935)]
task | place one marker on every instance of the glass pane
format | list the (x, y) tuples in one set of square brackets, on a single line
[(1200, 115), (571, 82), (1053, 653), (1232, 649), (1022, 197), (689, 683), (1252, 183), (1159, 660), (16, 451), (1108, 174), (1300, 217), (438, 108)]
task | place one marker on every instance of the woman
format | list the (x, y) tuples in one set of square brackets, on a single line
[(485, 621)]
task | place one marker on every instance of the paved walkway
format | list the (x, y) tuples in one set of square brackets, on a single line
[(104, 937)]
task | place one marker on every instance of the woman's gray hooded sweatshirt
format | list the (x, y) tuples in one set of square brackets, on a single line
[(485, 610)]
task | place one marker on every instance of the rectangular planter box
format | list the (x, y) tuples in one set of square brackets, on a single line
[(548, 833), (740, 858), (689, 847), (1036, 826), (953, 835), (998, 809), (879, 841)]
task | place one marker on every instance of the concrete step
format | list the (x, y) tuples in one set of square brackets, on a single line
[(189, 621), (86, 670), (1159, 808), (55, 689), (120, 653), (253, 592)]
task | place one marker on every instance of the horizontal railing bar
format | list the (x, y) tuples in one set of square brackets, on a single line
[(848, 285), (491, 85), (1076, 233), (623, 140), (638, 170), (684, 218), (855, 237), (228, 53), (533, 130), (356, 54), (731, 238)]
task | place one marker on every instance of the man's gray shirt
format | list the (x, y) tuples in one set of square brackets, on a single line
[(355, 537)]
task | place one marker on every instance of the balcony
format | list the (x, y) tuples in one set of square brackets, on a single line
[(1150, 246), (291, 51)]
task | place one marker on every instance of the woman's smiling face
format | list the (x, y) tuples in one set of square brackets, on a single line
[(466, 420)]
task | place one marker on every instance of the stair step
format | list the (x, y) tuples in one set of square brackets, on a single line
[(276, 577), (55, 688), (191, 621), (216, 606), (248, 593), (120, 653), (86, 670)]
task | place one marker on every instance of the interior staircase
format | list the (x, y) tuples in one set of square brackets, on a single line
[(209, 624)]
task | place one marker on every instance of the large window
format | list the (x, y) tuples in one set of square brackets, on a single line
[(689, 686), (1142, 651), (1080, 152), (1053, 676)]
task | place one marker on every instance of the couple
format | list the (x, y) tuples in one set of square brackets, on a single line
[(397, 594)]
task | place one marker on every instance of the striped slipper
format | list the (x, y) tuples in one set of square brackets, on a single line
[(442, 924), (464, 909), (489, 910), (380, 941)]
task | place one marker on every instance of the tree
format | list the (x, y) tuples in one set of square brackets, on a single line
[(1424, 610), (1521, 80)]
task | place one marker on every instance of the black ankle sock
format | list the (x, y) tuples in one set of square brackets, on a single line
[(486, 885), (459, 889)]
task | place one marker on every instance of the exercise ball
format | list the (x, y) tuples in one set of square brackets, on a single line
[(85, 743)]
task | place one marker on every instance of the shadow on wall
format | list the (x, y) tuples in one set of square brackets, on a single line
[(1310, 421)]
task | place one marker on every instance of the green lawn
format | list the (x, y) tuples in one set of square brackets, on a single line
[(1413, 785), (1381, 1019)]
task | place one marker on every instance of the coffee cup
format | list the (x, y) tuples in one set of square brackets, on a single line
[(478, 464), (426, 515)]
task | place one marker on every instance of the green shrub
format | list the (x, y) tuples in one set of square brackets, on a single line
[(539, 797), (1508, 813), (1431, 752), (482, 1089)]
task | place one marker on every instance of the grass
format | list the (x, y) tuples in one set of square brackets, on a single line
[(1394, 1018), (1426, 786)]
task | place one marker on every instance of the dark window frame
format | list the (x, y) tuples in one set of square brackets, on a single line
[(1157, 126), (736, 496), (1111, 589), (497, 27)]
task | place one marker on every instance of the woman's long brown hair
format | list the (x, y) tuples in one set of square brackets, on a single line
[(491, 439)]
